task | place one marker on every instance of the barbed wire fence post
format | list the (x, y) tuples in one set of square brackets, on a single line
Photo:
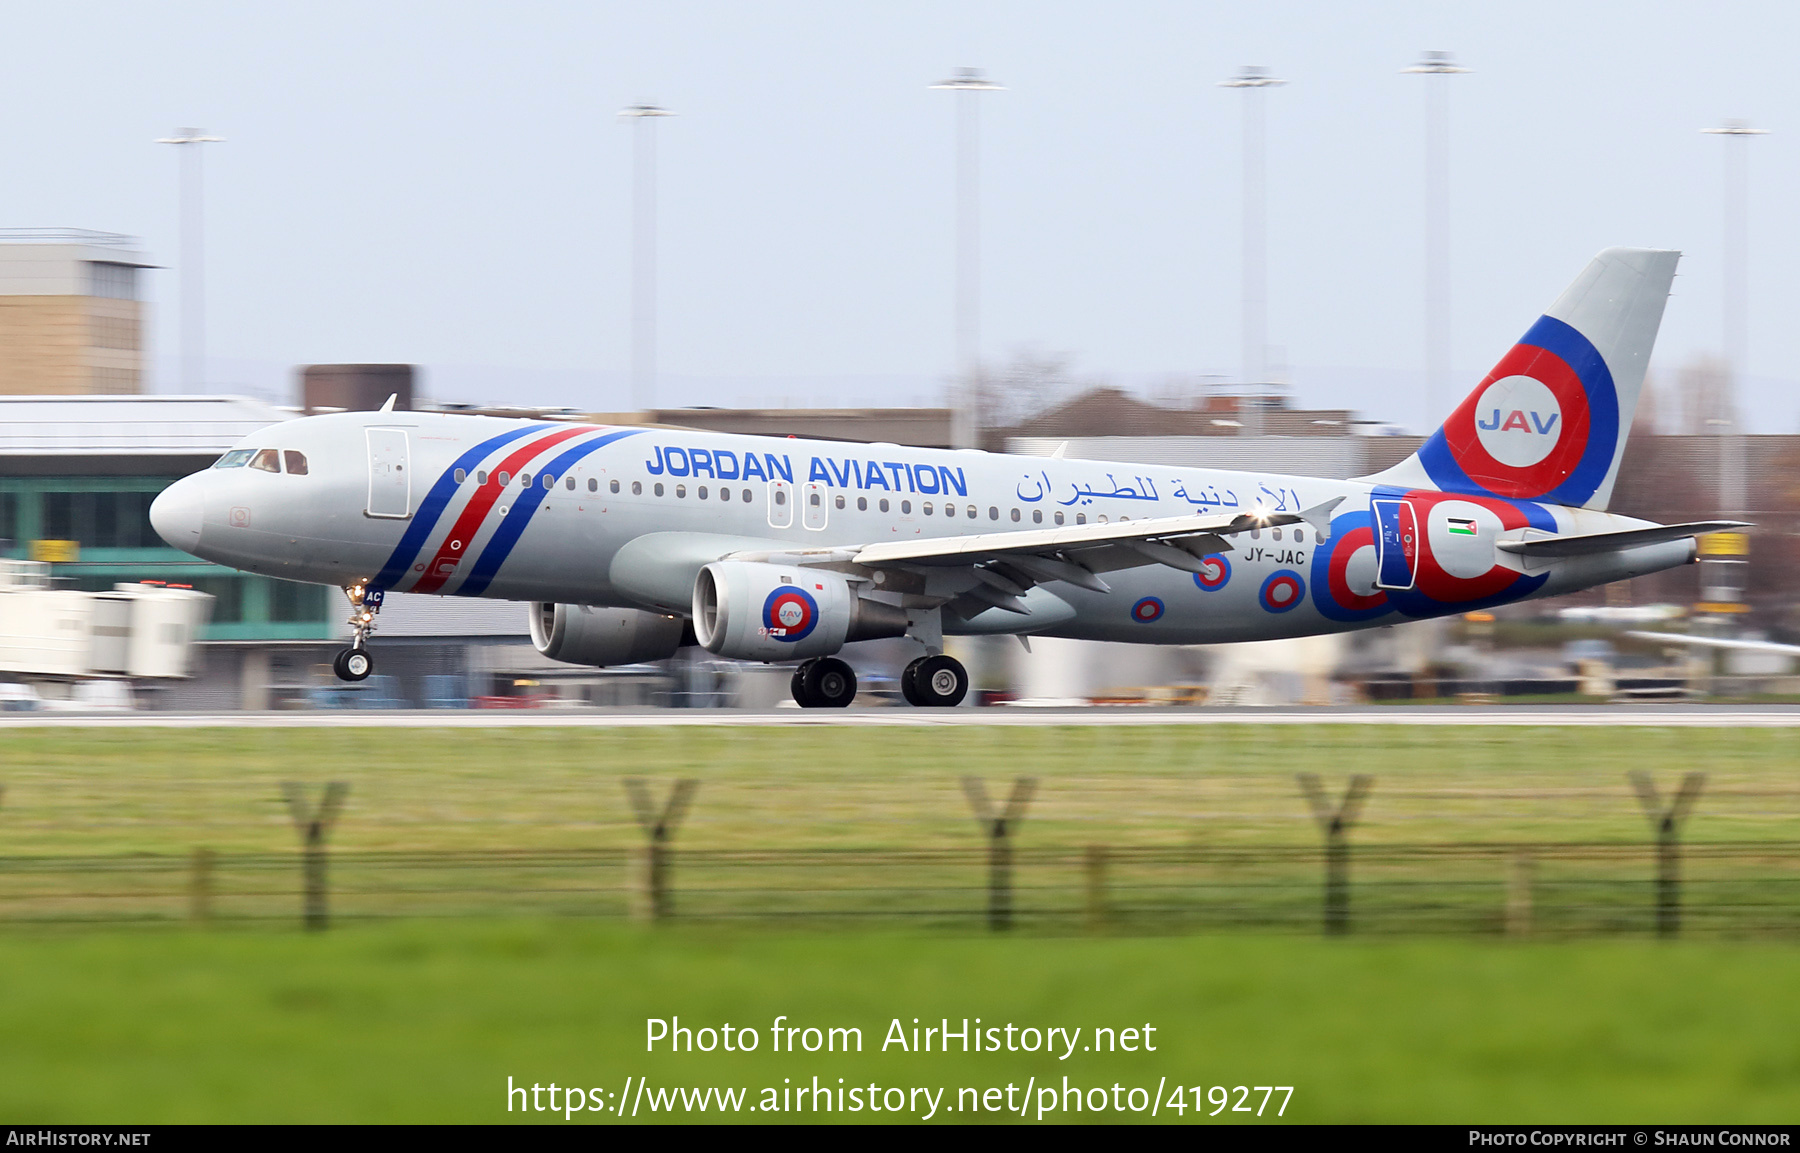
[(313, 825), (200, 885), (1094, 863), (1667, 823), (1335, 823), (999, 827), (654, 900)]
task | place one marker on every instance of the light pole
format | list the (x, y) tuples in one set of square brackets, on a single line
[(1736, 324), (643, 253), (1436, 67), (193, 257), (968, 84), (1253, 80)]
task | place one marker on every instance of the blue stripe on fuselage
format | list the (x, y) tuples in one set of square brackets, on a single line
[(432, 507), (500, 545)]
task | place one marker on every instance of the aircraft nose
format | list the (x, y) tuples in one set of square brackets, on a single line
[(176, 514)]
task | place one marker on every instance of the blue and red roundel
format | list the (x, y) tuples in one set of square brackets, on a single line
[(1147, 610), (1282, 591), (790, 614), (1544, 425), (1215, 570)]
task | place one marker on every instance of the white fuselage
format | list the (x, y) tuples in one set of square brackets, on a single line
[(414, 502)]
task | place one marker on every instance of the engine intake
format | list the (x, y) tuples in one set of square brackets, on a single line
[(581, 635), (749, 610)]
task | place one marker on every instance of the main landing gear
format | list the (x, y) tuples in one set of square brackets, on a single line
[(930, 682), (355, 663), (824, 683), (935, 682)]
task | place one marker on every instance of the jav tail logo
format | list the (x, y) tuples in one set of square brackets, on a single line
[(1516, 420)]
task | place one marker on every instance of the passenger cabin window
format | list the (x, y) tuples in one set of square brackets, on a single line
[(906, 506), (659, 490), (840, 501), (927, 508), (1037, 516), (780, 496), (570, 485), (702, 492), (1059, 518), (296, 462), (862, 504), (884, 504), (236, 458), (268, 460), (746, 496), (461, 476), (637, 487), (681, 490), (481, 477), (504, 478)]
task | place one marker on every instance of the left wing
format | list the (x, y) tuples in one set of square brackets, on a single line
[(971, 574)]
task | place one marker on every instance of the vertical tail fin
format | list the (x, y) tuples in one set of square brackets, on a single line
[(1549, 422)]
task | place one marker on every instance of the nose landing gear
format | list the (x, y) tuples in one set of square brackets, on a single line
[(355, 663)]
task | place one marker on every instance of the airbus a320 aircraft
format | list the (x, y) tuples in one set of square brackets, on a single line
[(631, 542)]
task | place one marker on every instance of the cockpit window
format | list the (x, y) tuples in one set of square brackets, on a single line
[(268, 460), (296, 462), (236, 458)]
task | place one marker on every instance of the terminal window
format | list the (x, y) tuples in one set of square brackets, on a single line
[(292, 602), (113, 281), (101, 519), (9, 516)]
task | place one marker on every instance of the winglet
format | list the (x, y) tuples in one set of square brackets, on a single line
[(1319, 517)]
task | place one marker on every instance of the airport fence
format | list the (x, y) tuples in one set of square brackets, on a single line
[(1738, 889), (1544, 889)]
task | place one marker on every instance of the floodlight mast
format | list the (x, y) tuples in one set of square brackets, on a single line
[(1253, 79), (968, 84), (1436, 66), (643, 253), (1736, 323), (193, 257)]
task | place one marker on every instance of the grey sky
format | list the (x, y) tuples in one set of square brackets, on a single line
[(448, 184)]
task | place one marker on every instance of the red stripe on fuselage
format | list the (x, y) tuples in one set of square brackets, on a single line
[(442, 566)]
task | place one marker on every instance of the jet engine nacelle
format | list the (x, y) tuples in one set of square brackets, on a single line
[(753, 611), (580, 635)]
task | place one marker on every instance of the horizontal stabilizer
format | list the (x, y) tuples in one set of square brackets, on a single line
[(1553, 547), (1716, 642)]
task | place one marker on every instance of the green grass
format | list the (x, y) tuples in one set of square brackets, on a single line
[(169, 791), (425, 1022)]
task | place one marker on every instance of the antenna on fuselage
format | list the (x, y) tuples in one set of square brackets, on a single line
[(388, 404)]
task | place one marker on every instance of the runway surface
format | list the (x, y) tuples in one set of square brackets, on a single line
[(1600, 716)]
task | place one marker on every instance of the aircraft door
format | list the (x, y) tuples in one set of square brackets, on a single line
[(1397, 544), (390, 473), (781, 504), (812, 508)]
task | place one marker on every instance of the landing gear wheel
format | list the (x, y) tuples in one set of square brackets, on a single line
[(938, 682), (353, 665), (829, 682), (907, 688), (797, 686)]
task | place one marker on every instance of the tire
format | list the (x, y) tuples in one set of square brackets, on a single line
[(907, 688), (353, 665), (797, 686), (830, 683), (940, 682)]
